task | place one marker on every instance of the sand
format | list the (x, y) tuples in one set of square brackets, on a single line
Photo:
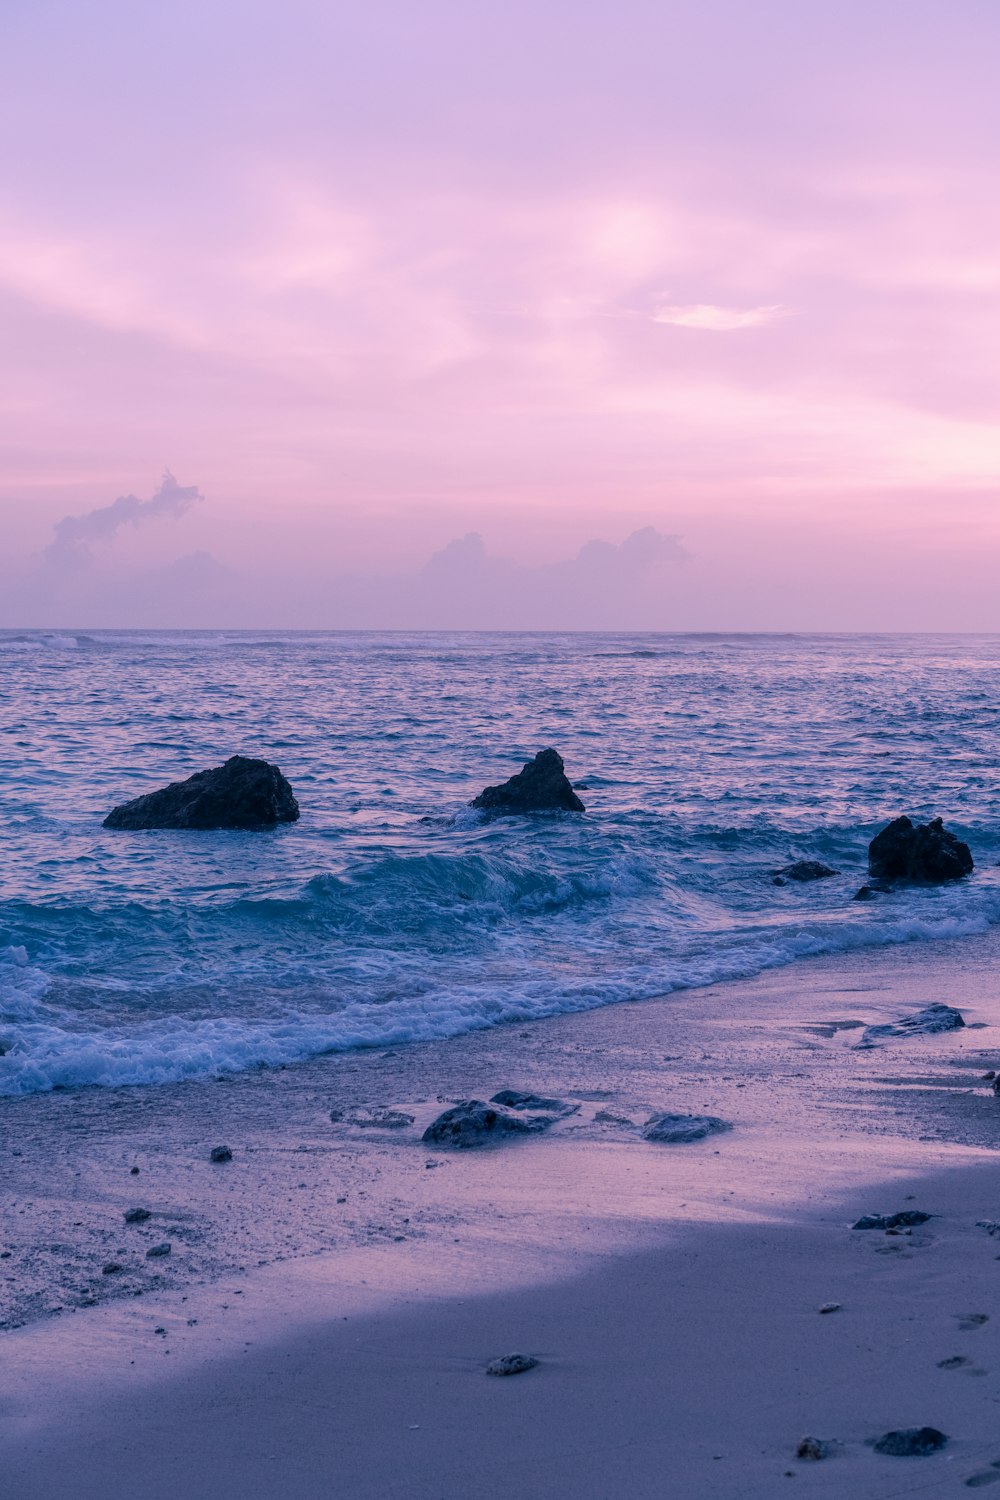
[(670, 1294)]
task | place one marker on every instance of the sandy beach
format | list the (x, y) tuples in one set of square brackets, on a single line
[(333, 1294)]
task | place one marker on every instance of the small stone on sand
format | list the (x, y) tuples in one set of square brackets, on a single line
[(911, 1442), (137, 1215), (813, 1449), (830, 1307), (156, 1252), (221, 1153), (511, 1364)]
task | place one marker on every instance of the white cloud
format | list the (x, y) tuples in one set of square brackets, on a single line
[(718, 319)]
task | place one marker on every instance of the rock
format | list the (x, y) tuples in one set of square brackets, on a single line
[(926, 852), (911, 1442), (220, 1153), (156, 1252), (812, 1448), (805, 869), (243, 793), (866, 893), (676, 1130), (511, 1364), (111, 1269), (830, 1307), (990, 1225), (608, 1117), (473, 1123), (133, 1171), (905, 1219), (542, 786), (137, 1215), (926, 1022), (515, 1099), (377, 1119)]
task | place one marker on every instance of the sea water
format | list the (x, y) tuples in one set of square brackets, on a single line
[(392, 912)]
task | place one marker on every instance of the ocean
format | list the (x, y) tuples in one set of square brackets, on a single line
[(392, 912)]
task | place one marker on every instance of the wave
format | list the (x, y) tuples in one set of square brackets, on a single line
[(42, 1048)]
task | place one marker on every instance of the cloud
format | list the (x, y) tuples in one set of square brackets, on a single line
[(719, 319), (74, 534)]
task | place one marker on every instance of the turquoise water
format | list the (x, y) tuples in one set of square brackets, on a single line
[(391, 912)]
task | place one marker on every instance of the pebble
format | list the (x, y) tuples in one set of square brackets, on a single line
[(911, 1442), (511, 1364), (813, 1449), (137, 1215), (112, 1268), (156, 1252), (220, 1153), (830, 1307)]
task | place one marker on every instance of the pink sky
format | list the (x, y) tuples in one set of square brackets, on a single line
[(372, 277)]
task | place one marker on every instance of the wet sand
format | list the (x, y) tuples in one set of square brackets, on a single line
[(293, 1344)]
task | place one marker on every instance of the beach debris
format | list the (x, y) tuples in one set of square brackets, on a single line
[(677, 1130), (803, 870), (911, 1442), (511, 1364), (813, 1449), (830, 1307), (905, 1219), (927, 853), (992, 1226), (220, 1153), (156, 1252), (471, 1122), (112, 1268), (969, 1321), (242, 793), (137, 1215), (542, 786), (955, 1362), (926, 1022), (540, 1103)]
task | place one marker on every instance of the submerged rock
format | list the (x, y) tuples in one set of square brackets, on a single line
[(542, 786), (905, 1219), (473, 1123), (511, 1364), (926, 1022), (911, 1442), (243, 793), (515, 1099), (804, 869), (927, 853), (676, 1130)]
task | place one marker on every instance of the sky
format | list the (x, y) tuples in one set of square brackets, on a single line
[(666, 314)]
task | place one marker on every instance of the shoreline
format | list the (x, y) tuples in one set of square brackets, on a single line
[(314, 1222)]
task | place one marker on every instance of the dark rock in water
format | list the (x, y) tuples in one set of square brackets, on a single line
[(514, 1099), (813, 1449), (905, 1219), (804, 869), (866, 893), (511, 1364), (542, 786), (926, 1022), (679, 1129), (473, 1123), (911, 1442), (156, 1252), (926, 852), (243, 793), (137, 1215), (221, 1153)]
